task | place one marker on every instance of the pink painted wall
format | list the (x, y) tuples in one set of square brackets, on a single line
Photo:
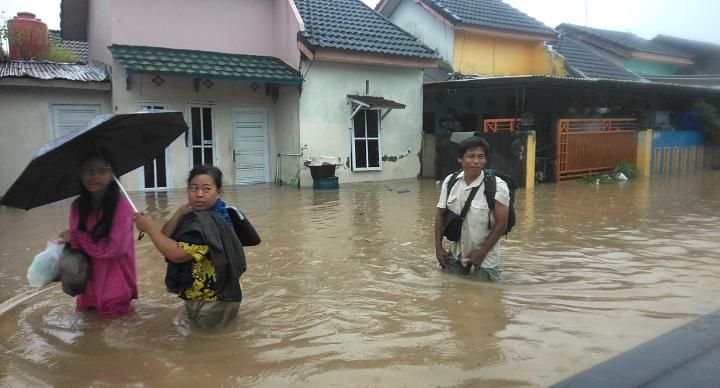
[(98, 30), (254, 27)]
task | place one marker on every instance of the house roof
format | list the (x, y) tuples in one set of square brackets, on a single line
[(351, 25), (204, 64), (584, 62), (694, 47), (493, 14), (74, 46), (624, 40), (91, 72)]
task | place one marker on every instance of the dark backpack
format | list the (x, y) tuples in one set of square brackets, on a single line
[(490, 190)]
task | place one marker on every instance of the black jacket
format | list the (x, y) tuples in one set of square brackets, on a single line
[(225, 249)]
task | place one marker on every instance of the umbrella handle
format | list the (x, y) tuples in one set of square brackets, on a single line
[(135, 210)]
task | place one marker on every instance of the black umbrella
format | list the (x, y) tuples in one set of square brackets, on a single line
[(131, 140)]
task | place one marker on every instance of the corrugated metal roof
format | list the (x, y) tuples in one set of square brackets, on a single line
[(90, 72), (205, 64)]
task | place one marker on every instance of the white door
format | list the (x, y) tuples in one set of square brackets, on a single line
[(250, 145)]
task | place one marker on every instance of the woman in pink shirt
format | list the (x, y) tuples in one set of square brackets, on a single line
[(101, 225)]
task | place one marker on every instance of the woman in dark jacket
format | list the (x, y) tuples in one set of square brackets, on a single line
[(205, 258)]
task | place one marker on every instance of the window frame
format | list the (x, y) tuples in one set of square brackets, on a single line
[(154, 105), (55, 112), (213, 121), (367, 139)]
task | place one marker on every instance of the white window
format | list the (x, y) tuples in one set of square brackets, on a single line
[(69, 117), (366, 148)]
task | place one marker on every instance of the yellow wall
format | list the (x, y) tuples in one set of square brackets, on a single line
[(479, 55)]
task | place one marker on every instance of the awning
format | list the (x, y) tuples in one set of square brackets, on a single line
[(204, 64), (371, 102)]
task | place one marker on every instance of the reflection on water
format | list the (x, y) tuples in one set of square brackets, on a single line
[(344, 290)]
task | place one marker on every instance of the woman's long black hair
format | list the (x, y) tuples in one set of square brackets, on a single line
[(108, 203)]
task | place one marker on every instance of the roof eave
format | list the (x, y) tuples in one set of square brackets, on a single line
[(286, 81), (508, 34), (55, 83), (370, 58), (644, 55)]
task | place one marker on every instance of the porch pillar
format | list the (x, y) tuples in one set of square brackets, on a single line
[(644, 152), (530, 161)]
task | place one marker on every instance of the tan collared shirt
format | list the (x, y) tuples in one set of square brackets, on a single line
[(475, 228)]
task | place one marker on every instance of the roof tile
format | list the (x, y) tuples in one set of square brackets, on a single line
[(141, 59), (582, 59), (625, 40), (490, 14), (353, 26), (74, 46)]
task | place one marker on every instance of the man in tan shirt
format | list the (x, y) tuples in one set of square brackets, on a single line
[(478, 249)]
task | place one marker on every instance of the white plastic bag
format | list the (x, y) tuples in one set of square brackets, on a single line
[(44, 268)]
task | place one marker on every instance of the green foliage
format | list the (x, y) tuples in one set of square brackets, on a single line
[(710, 119), (597, 178), (3, 35), (627, 168), (59, 55)]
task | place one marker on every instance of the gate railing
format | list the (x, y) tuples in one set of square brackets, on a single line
[(590, 146), (498, 125)]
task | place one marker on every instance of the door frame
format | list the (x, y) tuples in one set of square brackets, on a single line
[(168, 157), (213, 117), (248, 109)]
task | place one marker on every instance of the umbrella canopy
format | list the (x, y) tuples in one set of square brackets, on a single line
[(131, 140)]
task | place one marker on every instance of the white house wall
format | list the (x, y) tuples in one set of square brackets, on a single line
[(176, 93), (424, 26), (324, 117), (26, 122), (288, 139)]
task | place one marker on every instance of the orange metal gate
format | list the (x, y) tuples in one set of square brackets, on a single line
[(588, 146)]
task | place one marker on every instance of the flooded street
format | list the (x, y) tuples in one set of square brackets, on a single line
[(345, 291)]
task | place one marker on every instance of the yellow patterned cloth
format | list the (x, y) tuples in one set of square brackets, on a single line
[(203, 273)]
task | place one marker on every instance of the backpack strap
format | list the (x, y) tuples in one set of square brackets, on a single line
[(470, 197), (453, 179), (490, 191), (468, 201)]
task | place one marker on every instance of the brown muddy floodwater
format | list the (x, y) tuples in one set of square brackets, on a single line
[(345, 291)]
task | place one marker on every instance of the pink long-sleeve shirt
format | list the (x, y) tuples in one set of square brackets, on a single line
[(113, 278)]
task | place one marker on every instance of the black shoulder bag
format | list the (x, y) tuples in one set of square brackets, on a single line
[(452, 223), (243, 228)]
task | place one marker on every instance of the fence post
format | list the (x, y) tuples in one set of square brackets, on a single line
[(644, 152), (530, 161)]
